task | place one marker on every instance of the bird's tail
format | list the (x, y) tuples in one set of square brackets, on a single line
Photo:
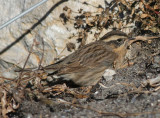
[(25, 69)]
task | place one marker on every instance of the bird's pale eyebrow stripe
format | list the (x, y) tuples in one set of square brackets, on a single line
[(114, 33)]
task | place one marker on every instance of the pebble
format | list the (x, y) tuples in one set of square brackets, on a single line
[(108, 74), (149, 75), (156, 59)]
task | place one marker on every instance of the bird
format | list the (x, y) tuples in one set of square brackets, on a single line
[(86, 65)]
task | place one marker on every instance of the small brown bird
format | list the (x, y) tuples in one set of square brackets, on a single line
[(86, 65)]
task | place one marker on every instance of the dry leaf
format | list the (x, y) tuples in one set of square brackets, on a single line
[(89, 22), (133, 11), (69, 11), (65, 8), (124, 2), (154, 29), (141, 5), (144, 15), (80, 10), (100, 10), (79, 22), (87, 14), (120, 24), (157, 7), (6, 107), (70, 46)]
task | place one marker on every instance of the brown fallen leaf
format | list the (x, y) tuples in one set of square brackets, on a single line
[(144, 15)]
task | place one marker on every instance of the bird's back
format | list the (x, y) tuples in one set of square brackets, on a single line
[(87, 61)]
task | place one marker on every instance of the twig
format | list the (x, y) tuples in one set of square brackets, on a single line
[(151, 82), (150, 8), (30, 52), (42, 54)]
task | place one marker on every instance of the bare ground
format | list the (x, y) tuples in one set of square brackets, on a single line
[(123, 96)]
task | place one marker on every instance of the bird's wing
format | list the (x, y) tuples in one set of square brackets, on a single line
[(87, 57)]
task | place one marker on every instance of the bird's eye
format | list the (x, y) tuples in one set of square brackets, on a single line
[(119, 40)]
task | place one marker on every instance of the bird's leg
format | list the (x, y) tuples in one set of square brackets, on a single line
[(123, 65), (127, 64)]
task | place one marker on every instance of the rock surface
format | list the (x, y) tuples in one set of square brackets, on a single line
[(46, 25)]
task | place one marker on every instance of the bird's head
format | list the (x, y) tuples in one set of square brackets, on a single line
[(115, 39)]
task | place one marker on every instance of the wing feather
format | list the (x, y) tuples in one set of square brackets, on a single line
[(88, 57)]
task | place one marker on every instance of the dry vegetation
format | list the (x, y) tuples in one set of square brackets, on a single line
[(141, 16)]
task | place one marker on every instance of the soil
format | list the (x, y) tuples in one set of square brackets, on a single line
[(123, 96)]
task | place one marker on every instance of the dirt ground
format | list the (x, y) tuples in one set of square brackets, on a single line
[(126, 95)]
